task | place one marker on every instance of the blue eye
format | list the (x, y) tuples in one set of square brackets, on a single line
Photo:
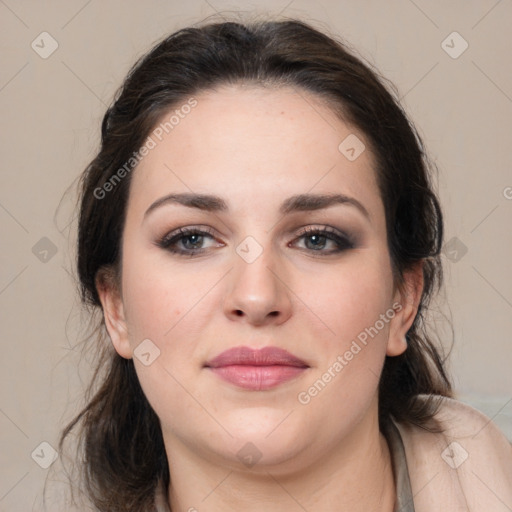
[(192, 241), (187, 241), (324, 240)]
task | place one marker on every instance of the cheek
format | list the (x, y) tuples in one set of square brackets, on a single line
[(172, 307), (353, 345), (347, 377), (157, 296), (349, 298), (163, 307)]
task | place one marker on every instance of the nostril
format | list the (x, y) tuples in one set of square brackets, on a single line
[(239, 312)]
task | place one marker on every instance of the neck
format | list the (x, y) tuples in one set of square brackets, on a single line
[(355, 475)]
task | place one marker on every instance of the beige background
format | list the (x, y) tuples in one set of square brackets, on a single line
[(51, 111)]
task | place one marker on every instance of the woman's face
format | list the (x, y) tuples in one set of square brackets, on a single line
[(285, 246)]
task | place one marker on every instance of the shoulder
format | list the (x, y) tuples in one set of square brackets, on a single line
[(467, 466)]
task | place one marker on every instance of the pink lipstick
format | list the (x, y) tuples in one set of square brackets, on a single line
[(256, 370)]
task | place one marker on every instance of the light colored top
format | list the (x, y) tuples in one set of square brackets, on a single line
[(404, 497), (466, 468)]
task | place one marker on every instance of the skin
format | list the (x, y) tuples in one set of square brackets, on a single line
[(327, 454)]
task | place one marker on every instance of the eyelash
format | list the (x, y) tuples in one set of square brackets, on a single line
[(169, 240)]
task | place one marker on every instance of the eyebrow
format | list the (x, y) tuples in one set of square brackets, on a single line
[(311, 202), (300, 202)]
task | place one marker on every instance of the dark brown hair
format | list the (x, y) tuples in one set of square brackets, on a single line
[(120, 434)]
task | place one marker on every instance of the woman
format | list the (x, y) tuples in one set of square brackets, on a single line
[(260, 232)]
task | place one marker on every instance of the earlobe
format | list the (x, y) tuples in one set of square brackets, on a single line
[(407, 300), (113, 312)]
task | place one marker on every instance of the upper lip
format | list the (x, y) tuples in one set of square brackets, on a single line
[(267, 356)]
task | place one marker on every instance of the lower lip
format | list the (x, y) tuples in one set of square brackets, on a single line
[(257, 378)]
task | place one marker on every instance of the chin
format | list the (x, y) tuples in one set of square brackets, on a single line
[(265, 438), (277, 456)]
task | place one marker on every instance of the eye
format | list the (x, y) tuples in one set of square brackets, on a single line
[(188, 241), (324, 240), (191, 241)]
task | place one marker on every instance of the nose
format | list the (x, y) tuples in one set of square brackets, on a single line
[(257, 292)]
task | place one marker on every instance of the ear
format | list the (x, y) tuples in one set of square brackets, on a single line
[(113, 311), (406, 302)]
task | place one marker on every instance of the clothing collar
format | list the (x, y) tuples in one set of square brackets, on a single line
[(404, 496)]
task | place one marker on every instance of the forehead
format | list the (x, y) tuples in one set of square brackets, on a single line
[(253, 142)]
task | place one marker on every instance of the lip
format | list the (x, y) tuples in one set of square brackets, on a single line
[(256, 369)]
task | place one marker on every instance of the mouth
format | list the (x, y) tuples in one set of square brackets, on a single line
[(256, 370)]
